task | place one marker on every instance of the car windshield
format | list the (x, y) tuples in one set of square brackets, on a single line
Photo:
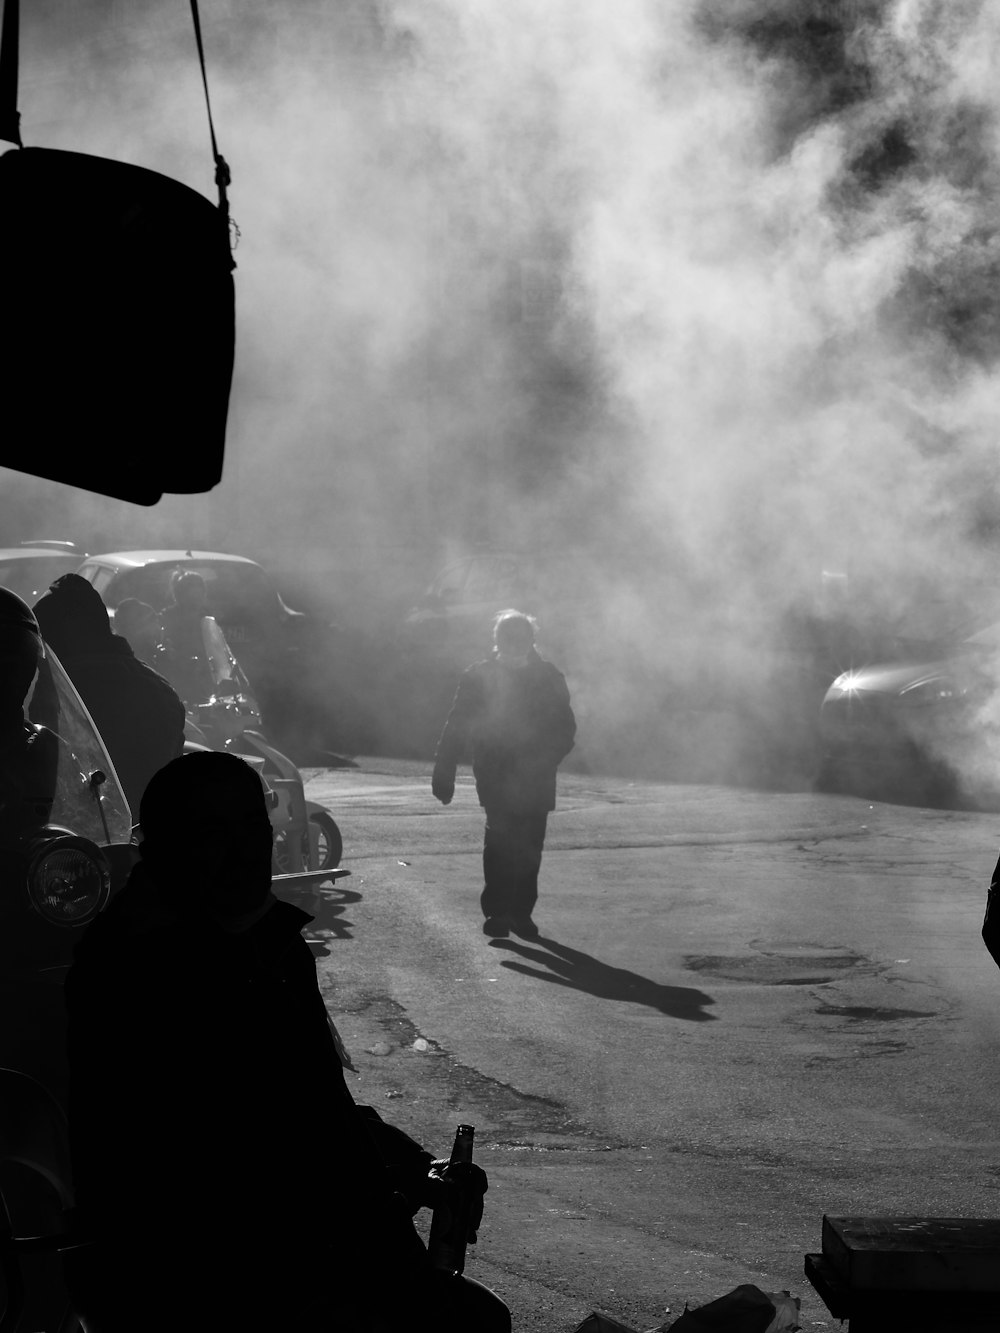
[(31, 575), (53, 702), (236, 591)]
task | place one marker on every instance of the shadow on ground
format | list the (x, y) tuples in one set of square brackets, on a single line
[(326, 906), (568, 967)]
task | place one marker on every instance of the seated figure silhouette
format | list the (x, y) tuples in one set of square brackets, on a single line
[(220, 1162), (138, 714)]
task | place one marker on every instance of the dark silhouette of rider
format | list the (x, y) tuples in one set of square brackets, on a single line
[(138, 714), (206, 1089), (182, 616), (185, 658)]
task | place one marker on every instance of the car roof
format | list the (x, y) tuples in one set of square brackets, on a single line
[(135, 559), (39, 552), (48, 543)]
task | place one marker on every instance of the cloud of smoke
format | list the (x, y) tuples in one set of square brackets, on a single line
[(702, 292)]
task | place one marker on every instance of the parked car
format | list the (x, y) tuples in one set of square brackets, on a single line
[(31, 568), (924, 727), (256, 621), (452, 621), (267, 636)]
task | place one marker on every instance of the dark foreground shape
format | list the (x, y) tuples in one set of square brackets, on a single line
[(127, 335), (922, 1274), (194, 1012)]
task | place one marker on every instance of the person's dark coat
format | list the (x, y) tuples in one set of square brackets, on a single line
[(138, 714), (519, 725), (208, 1109), (182, 635)]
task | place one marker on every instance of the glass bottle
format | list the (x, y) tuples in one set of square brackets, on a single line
[(452, 1215)]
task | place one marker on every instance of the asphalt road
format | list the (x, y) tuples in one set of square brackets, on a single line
[(746, 1009)]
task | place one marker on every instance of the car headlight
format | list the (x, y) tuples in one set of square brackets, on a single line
[(68, 878), (846, 683)]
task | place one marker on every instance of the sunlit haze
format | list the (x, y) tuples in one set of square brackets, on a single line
[(703, 294)]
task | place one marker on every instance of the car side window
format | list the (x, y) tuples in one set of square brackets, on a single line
[(99, 575), (449, 585)]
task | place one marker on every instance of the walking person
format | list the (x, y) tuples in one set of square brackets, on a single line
[(513, 711)]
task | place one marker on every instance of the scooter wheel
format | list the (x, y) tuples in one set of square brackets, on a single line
[(330, 845)]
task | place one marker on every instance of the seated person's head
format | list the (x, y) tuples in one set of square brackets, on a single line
[(72, 617), (207, 836), (188, 589), (20, 651)]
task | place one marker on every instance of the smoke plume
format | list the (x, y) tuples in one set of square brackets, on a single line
[(702, 295)]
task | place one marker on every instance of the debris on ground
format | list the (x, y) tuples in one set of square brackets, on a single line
[(746, 1309)]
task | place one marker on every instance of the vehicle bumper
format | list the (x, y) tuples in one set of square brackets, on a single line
[(303, 887)]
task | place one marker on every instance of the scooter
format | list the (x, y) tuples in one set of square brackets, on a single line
[(65, 851), (306, 836), (73, 855)]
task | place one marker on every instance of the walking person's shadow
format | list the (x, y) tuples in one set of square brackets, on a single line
[(579, 971)]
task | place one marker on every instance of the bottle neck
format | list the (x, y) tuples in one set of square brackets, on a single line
[(462, 1148)]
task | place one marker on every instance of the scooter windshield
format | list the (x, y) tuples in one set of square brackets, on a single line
[(226, 671), (220, 657), (79, 803)]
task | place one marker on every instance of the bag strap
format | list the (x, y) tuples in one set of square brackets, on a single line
[(10, 117), (222, 172)]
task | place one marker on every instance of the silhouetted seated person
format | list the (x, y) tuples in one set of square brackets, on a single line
[(185, 659), (138, 714), (219, 1159), (28, 752)]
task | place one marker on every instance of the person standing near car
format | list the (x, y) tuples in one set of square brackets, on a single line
[(513, 710), (138, 714), (185, 661)]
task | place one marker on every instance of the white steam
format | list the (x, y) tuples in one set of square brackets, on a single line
[(700, 291)]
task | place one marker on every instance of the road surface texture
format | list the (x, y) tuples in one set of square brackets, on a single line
[(746, 1009)]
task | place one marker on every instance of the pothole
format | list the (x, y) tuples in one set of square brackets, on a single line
[(782, 965), (506, 1117)]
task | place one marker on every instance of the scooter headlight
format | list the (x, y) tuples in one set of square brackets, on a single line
[(69, 878)]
